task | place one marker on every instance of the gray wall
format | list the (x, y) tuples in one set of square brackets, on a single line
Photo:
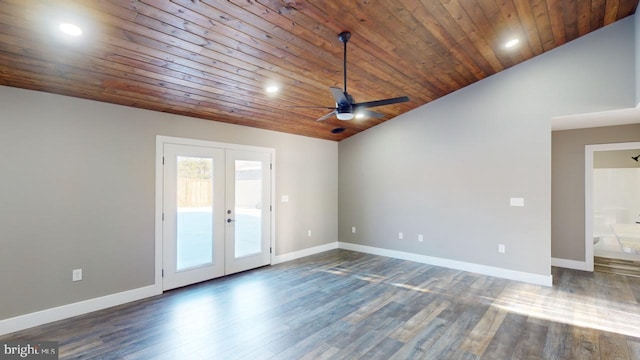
[(567, 211), (77, 191), (447, 170)]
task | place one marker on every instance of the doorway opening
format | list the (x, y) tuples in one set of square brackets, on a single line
[(612, 207)]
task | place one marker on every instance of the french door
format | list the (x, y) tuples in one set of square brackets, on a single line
[(248, 199), (216, 205)]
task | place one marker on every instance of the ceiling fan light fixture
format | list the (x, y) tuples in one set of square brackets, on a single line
[(345, 116)]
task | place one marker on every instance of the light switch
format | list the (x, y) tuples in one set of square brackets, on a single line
[(284, 198), (76, 275), (517, 201)]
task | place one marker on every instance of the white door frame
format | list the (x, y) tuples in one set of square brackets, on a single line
[(160, 141), (588, 193)]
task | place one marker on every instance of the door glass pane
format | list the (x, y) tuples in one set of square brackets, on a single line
[(194, 236), (248, 224)]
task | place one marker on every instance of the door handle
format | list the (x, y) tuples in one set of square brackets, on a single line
[(230, 220)]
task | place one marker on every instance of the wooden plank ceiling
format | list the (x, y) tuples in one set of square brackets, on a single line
[(213, 59)]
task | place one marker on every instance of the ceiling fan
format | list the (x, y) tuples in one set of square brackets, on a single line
[(346, 108)]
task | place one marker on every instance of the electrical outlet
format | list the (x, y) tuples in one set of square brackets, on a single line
[(420, 238), (309, 233), (501, 248), (76, 275), (400, 236), (353, 229)]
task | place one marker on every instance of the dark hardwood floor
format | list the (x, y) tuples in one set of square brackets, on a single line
[(348, 305)]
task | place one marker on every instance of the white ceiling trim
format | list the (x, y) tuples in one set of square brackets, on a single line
[(596, 119)]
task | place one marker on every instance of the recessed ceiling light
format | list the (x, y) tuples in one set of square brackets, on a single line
[(70, 29), (272, 89), (511, 43)]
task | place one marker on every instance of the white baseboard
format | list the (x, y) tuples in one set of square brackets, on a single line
[(544, 280), (302, 253), (572, 264), (70, 310)]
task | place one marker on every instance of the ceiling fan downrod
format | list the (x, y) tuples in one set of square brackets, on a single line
[(344, 37)]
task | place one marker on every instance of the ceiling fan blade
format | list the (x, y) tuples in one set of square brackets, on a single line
[(369, 113), (311, 107), (339, 96), (327, 116), (370, 104)]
